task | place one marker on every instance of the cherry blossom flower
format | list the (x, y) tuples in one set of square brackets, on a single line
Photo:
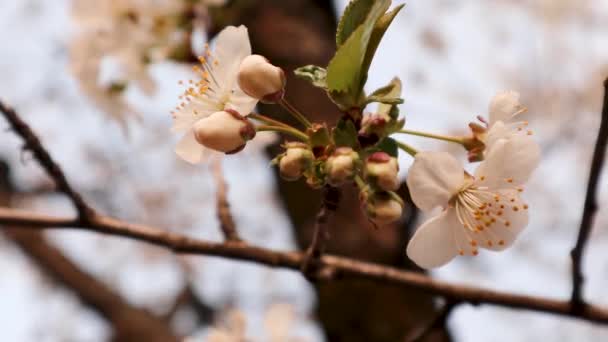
[(480, 211), (216, 91), (503, 110)]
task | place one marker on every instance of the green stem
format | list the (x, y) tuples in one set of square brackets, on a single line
[(407, 148), (360, 182), (269, 121), (281, 129), (457, 140), (295, 113)]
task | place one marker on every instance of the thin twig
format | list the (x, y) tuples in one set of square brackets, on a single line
[(437, 322), (329, 204), (223, 207), (590, 207), (32, 143), (340, 266)]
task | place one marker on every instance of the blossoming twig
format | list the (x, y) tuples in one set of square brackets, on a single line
[(590, 206), (32, 143)]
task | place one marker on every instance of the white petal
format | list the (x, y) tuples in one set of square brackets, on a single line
[(434, 178), (433, 244), (184, 118), (232, 45), (241, 102), (189, 149), (504, 106), (509, 163), (503, 234)]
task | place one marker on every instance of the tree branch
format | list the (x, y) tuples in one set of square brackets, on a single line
[(437, 322), (32, 143), (329, 265), (590, 207), (329, 204), (223, 207)]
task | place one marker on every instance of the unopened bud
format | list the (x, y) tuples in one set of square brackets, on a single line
[(383, 208), (341, 165), (295, 161), (225, 131), (260, 79), (382, 170)]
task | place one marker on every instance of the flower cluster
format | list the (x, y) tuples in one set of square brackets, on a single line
[(118, 39), (480, 210)]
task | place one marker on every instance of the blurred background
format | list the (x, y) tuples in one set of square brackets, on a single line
[(99, 94)]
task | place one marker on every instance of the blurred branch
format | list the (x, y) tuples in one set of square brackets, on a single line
[(329, 204), (436, 323), (32, 143), (129, 323), (329, 266), (590, 207), (223, 207)]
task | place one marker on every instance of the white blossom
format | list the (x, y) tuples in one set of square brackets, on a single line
[(480, 211), (216, 91)]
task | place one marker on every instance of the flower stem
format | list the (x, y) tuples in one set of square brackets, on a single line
[(281, 129), (268, 120), (407, 148), (453, 139), (295, 113), (360, 182)]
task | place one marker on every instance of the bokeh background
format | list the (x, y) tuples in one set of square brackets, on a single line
[(452, 57)]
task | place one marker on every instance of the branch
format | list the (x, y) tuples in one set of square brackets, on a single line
[(437, 322), (32, 143), (223, 207), (590, 207), (329, 266), (329, 204)]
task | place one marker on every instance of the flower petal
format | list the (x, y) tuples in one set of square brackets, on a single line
[(514, 219), (241, 102), (434, 178), (509, 163), (433, 244), (504, 106), (189, 149), (232, 45)]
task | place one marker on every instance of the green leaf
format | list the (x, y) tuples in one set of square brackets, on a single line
[(390, 91), (313, 74), (345, 134), (319, 135), (380, 28), (345, 73), (388, 145), (354, 15)]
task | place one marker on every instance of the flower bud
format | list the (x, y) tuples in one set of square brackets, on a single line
[(341, 165), (382, 207), (295, 161), (225, 131), (381, 170), (261, 80)]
